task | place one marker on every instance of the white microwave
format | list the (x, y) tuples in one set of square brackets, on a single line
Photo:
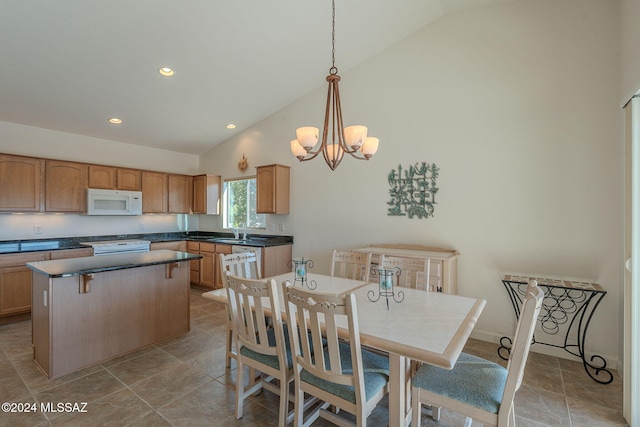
[(113, 202)]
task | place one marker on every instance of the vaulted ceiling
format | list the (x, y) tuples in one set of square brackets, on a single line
[(69, 65)]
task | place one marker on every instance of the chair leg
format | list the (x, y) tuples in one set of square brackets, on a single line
[(416, 412), (239, 389), (229, 345), (284, 402)]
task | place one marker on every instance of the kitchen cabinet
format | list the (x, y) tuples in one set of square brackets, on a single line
[(272, 182), (275, 260), (66, 186), (206, 194), (180, 188), (202, 271), (102, 177), (70, 253), (15, 282), (220, 249), (21, 184), (113, 178), (129, 179), (154, 192), (177, 245)]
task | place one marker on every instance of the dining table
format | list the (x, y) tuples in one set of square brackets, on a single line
[(427, 327)]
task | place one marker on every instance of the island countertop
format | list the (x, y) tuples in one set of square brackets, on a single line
[(96, 264)]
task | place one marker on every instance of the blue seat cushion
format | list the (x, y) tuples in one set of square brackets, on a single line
[(376, 374), (473, 380)]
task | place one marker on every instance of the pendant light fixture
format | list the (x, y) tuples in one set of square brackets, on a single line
[(352, 139)]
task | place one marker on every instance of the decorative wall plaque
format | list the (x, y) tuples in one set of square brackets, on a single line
[(413, 190)]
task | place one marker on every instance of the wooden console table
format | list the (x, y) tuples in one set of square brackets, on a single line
[(443, 262), (567, 304)]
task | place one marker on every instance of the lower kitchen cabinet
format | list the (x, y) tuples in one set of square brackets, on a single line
[(220, 249), (177, 245), (275, 260), (15, 282), (206, 271)]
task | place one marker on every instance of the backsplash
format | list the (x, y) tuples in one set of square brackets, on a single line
[(46, 226)]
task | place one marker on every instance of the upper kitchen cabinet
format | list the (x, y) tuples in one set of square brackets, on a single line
[(129, 179), (273, 189), (102, 177), (21, 183), (112, 178), (154, 192), (180, 188), (206, 194), (66, 186)]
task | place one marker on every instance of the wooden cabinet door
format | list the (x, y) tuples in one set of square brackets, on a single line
[(71, 253), (66, 186), (20, 184), (102, 177), (154, 192), (275, 260), (206, 194), (179, 193), (272, 183), (220, 249), (207, 265), (130, 180), (15, 290)]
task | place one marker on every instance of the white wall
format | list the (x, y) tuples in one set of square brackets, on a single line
[(37, 142), (518, 104), (629, 49)]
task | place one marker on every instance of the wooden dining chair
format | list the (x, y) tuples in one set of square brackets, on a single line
[(414, 272), (343, 374), (260, 346), (480, 389), (351, 265), (244, 264)]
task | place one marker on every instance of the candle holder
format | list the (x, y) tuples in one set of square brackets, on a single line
[(300, 268), (385, 285)]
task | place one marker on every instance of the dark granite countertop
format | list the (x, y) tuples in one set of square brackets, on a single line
[(61, 243), (99, 264)]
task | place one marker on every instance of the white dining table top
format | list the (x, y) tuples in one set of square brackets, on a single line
[(430, 327)]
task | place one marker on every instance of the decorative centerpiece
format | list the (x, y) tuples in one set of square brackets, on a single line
[(385, 287), (300, 268)]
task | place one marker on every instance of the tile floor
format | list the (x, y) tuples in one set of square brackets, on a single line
[(184, 382)]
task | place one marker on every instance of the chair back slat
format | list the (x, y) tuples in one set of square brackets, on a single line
[(319, 313), (351, 265), (243, 264), (251, 303), (414, 272)]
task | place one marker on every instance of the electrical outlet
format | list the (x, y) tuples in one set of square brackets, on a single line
[(141, 226), (44, 299), (281, 227), (37, 229)]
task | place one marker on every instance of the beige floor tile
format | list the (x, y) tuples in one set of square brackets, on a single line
[(586, 414), (153, 419), (12, 388), (37, 381), (152, 363), (169, 385), (581, 386), (542, 406), (26, 418)]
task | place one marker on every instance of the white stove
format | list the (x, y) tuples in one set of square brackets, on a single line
[(109, 247)]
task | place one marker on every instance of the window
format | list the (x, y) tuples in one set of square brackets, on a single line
[(239, 205)]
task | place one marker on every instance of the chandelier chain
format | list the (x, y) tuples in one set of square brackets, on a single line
[(333, 69)]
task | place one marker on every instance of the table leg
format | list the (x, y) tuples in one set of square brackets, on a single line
[(399, 388)]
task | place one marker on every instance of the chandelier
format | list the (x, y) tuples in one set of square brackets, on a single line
[(352, 139)]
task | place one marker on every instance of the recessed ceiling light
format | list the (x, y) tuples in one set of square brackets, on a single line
[(231, 126), (166, 71), (115, 121)]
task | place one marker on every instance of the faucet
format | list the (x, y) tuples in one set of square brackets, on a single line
[(236, 233)]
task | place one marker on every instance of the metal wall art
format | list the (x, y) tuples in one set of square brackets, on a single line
[(413, 190), (300, 268)]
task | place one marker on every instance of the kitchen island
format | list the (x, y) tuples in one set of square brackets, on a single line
[(87, 310)]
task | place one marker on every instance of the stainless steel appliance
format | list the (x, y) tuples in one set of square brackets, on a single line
[(109, 247)]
